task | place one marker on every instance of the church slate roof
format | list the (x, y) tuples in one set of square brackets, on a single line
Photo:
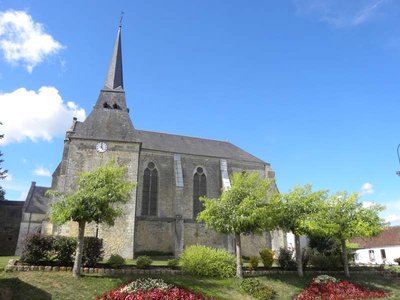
[(36, 202), (191, 145)]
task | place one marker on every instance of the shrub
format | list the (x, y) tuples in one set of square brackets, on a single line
[(254, 262), (173, 263), (37, 249), (285, 259), (256, 289), (92, 251), (116, 261), (205, 261), (325, 262), (267, 257), (143, 262), (397, 260), (64, 248)]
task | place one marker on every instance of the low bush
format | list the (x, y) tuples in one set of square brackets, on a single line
[(325, 262), (143, 262), (254, 260), (173, 263), (116, 261), (37, 249), (285, 259), (205, 261), (256, 289), (92, 251), (64, 249), (267, 257), (397, 260)]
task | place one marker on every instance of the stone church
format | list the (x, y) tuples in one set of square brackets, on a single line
[(171, 172)]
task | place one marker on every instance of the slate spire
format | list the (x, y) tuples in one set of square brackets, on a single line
[(109, 119), (114, 79)]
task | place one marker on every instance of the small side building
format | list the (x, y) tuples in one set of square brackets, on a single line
[(382, 249), (34, 212), (10, 220)]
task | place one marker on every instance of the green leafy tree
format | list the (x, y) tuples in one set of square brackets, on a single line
[(344, 218), (3, 173), (95, 199), (243, 209), (293, 211)]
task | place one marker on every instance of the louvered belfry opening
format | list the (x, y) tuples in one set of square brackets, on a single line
[(150, 190), (199, 190)]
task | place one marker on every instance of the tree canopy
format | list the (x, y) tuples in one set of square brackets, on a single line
[(95, 199), (242, 209), (3, 173), (294, 210), (343, 218)]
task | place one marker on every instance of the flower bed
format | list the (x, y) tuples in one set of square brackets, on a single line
[(148, 288), (325, 287)]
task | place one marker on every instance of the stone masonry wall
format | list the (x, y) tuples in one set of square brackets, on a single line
[(81, 155)]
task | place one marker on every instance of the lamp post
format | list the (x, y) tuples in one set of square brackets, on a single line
[(398, 156)]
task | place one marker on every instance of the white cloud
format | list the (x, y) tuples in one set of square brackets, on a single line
[(9, 177), (22, 196), (392, 218), (41, 171), (23, 40), (33, 115), (367, 204), (366, 189), (341, 13)]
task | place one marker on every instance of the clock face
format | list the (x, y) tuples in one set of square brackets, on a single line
[(101, 147)]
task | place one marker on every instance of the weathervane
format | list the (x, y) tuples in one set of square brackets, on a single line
[(120, 19)]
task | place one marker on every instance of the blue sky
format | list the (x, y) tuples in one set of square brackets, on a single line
[(310, 86)]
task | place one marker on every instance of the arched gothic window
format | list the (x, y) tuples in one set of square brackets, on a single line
[(150, 190), (199, 190)]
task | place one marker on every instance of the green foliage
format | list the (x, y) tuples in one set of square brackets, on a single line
[(254, 260), (204, 261), (294, 209), (256, 289), (64, 248), (95, 199), (92, 251), (285, 259), (37, 249), (397, 260), (143, 262), (173, 263), (116, 261), (154, 253), (241, 209), (3, 173), (324, 262), (325, 245), (267, 257)]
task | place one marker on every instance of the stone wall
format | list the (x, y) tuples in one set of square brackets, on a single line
[(80, 155), (10, 220)]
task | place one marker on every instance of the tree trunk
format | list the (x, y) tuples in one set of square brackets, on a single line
[(239, 272), (345, 259), (299, 256), (76, 271)]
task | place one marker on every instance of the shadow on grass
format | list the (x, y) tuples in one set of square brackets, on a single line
[(15, 289)]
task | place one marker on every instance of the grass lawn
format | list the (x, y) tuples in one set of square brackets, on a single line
[(61, 285), (4, 260)]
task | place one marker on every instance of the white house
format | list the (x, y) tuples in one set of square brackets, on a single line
[(382, 249)]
